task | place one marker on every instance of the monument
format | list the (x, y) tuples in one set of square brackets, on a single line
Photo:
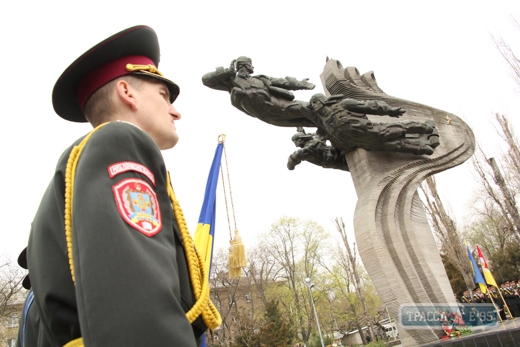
[(387, 158)]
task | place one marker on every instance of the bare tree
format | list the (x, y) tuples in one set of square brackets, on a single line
[(352, 267), (505, 172), (509, 55), (297, 248), (496, 192), (511, 159), (224, 292), (509, 202), (446, 231), (488, 229), (11, 295)]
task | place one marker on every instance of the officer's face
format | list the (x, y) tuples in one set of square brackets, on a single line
[(156, 115)]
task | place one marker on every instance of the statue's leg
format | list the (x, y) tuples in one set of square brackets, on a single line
[(408, 146), (389, 131), (396, 130), (414, 127)]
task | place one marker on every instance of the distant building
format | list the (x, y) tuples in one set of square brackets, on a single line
[(9, 320), (386, 329), (232, 299), (235, 299)]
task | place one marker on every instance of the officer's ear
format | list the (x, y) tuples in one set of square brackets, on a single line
[(126, 94)]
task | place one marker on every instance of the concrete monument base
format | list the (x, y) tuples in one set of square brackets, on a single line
[(392, 232)]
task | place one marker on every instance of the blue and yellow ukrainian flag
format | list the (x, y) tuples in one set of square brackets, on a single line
[(476, 272), (205, 232)]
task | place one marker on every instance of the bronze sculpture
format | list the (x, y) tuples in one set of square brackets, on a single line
[(313, 148), (392, 231), (343, 121), (266, 98)]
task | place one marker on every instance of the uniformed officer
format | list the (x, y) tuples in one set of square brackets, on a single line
[(110, 262), (517, 289), (478, 297), (465, 309), (493, 296), (466, 298), (509, 296), (516, 302)]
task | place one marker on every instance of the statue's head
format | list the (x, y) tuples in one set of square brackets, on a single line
[(245, 62), (317, 101), (300, 139)]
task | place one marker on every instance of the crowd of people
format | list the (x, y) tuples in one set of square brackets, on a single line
[(506, 299)]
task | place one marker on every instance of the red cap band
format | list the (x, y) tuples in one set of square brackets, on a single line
[(106, 73)]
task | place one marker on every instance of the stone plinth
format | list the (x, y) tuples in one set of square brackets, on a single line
[(393, 235)]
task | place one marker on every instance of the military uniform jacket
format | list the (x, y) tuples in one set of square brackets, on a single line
[(466, 299), (131, 279), (479, 299), (509, 295), (494, 297)]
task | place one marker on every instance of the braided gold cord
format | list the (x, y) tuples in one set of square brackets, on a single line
[(69, 183), (199, 279), (230, 192), (70, 173), (198, 276)]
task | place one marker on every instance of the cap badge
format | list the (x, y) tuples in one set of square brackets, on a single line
[(149, 68)]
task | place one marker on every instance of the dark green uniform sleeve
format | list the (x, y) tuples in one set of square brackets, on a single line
[(127, 282)]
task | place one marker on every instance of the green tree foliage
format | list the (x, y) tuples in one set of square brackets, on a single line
[(315, 341), (506, 262), (290, 251), (297, 249), (246, 333), (363, 302), (489, 230), (277, 331), (274, 331), (456, 280)]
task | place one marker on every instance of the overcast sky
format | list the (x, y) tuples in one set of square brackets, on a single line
[(438, 53)]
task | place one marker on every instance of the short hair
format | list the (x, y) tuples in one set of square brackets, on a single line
[(99, 107)]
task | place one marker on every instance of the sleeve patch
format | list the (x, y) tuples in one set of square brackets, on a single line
[(119, 168), (138, 205)]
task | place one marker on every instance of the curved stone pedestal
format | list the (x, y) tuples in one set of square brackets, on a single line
[(393, 235)]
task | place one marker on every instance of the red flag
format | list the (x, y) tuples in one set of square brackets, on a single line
[(485, 269)]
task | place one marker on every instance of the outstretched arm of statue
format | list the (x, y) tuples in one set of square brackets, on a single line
[(291, 83), (373, 107), (295, 159), (221, 78), (232, 66)]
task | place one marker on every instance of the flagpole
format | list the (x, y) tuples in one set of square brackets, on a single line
[(505, 304), (205, 231), (493, 302), (490, 294), (481, 257)]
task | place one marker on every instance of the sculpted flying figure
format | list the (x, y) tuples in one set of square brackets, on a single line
[(340, 120), (266, 98), (313, 148)]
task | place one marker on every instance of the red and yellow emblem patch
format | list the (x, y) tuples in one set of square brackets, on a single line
[(138, 205)]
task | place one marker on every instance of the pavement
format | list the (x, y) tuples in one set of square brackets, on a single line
[(506, 333)]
